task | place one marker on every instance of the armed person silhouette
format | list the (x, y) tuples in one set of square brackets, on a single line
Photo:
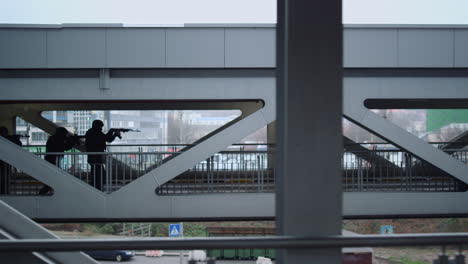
[(5, 168), (61, 141), (95, 141)]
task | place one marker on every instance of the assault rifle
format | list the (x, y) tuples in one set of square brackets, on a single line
[(115, 130), (19, 136), (16, 138), (122, 130)]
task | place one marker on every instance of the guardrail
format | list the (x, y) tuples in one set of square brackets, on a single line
[(284, 242), (116, 169), (161, 147), (225, 172), (244, 168), (396, 170), (363, 171), (106, 171)]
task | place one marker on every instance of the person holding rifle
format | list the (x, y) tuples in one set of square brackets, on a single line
[(13, 138), (61, 141), (95, 141), (5, 168)]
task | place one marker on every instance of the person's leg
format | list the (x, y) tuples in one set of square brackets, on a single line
[(7, 179), (103, 176), (97, 174), (92, 175), (2, 177)]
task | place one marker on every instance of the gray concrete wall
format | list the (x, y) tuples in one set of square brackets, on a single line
[(218, 46)]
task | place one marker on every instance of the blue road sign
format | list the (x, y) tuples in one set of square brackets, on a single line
[(175, 230), (386, 229)]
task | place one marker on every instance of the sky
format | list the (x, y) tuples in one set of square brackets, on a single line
[(222, 11)]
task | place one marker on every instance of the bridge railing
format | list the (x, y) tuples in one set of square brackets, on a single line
[(388, 170), (106, 171), (116, 169), (245, 168), (396, 171)]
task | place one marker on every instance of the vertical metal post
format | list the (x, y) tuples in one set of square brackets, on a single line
[(271, 139), (309, 109)]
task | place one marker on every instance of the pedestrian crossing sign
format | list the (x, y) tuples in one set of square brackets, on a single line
[(175, 230), (386, 229)]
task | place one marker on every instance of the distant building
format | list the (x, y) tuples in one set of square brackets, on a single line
[(82, 121), (38, 136)]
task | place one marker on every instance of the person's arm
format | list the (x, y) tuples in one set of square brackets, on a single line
[(15, 139), (110, 136), (69, 143), (18, 142), (49, 145)]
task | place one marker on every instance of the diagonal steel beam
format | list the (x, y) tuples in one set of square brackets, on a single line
[(64, 184), (412, 144), (457, 142), (366, 154), (358, 90), (15, 225), (35, 118), (200, 152)]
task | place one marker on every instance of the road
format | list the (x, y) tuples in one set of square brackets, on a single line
[(170, 260)]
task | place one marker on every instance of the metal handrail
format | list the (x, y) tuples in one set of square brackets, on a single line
[(220, 152), (39, 245), (104, 153), (167, 145), (153, 152), (388, 143), (256, 144), (397, 150)]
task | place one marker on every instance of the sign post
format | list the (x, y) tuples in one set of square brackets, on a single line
[(177, 230)]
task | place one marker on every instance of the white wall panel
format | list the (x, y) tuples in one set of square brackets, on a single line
[(196, 48), (370, 47), (22, 48), (76, 48), (135, 48), (250, 47), (425, 48), (232, 47), (461, 47)]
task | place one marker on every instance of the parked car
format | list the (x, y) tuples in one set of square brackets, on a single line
[(117, 255)]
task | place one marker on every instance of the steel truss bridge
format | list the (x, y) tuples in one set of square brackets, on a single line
[(116, 67), (227, 67)]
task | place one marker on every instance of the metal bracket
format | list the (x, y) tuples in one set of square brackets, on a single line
[(104, 79)]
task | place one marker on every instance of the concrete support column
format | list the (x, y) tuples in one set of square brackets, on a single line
[(309, 108)]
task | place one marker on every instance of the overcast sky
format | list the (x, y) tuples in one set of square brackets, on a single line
[(222, 11)]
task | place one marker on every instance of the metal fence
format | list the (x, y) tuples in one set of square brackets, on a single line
[(240, 168), (395, 170), (388, 170), (227, 171), (106, 171), (15, 182)]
